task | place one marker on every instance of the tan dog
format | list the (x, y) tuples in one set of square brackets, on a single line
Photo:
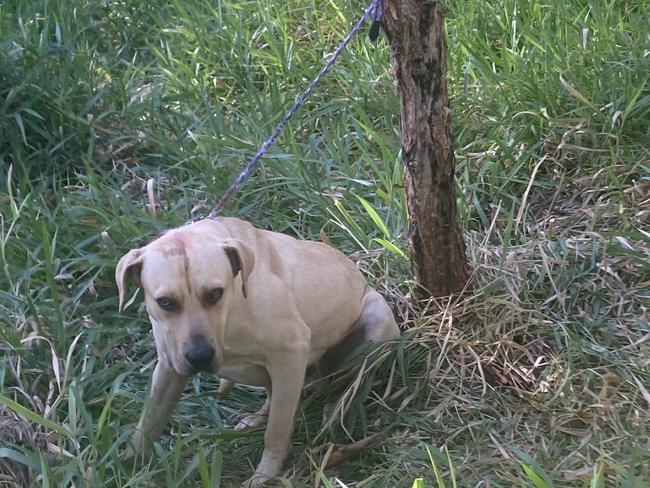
[(254, 306)]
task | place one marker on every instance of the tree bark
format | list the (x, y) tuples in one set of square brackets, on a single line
[(415, 32)]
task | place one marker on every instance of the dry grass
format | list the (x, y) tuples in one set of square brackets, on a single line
[(547, 355)]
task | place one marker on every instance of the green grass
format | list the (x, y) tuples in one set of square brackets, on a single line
[(538, 378)]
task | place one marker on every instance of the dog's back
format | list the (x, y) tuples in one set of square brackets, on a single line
[(327, 285)]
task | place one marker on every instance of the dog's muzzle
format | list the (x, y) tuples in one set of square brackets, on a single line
[(199, 356)]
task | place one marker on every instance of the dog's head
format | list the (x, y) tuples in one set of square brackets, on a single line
[(190, 279)]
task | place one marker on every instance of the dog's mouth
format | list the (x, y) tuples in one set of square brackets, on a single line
[(185, 369), (192, 371)]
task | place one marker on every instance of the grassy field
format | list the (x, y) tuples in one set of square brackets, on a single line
[(540, 377)]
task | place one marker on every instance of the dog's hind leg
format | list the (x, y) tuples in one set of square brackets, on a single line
[(377, 319), (376, 323)]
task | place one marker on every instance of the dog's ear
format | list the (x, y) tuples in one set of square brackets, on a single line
[(128, 269), (241, 259)]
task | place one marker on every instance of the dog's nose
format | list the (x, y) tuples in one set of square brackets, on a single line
[(199, 356)]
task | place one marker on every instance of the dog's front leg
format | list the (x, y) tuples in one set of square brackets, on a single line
[(287, 379), (166, 389)]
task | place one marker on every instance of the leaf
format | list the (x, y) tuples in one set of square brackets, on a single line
[(21, 127), (379, 223), (576, 94), (203, 469), (418, 483), (115, 387), (55, 368), (534, 477), (57, 34), (531, 466), (436, 472), (598, 478), (451, 469), (216, 467), (390, 246), (18, 457), (34, 417)]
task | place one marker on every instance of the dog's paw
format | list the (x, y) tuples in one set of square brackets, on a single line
[(224, 388), (255, 481), (136, 446), (251, 421), (129, 453)]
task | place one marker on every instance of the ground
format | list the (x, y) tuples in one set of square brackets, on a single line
[(119, 119)]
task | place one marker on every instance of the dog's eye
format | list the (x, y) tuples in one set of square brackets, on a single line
[(166, 303), (213, 296)]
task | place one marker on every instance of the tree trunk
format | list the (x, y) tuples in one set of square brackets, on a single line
[(415, 32)]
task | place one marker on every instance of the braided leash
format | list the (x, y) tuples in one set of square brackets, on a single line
[(375, 11)]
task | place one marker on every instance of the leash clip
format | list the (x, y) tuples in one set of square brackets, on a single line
[(376, 14)]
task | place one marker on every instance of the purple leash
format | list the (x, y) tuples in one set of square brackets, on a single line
[(376, 12)]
